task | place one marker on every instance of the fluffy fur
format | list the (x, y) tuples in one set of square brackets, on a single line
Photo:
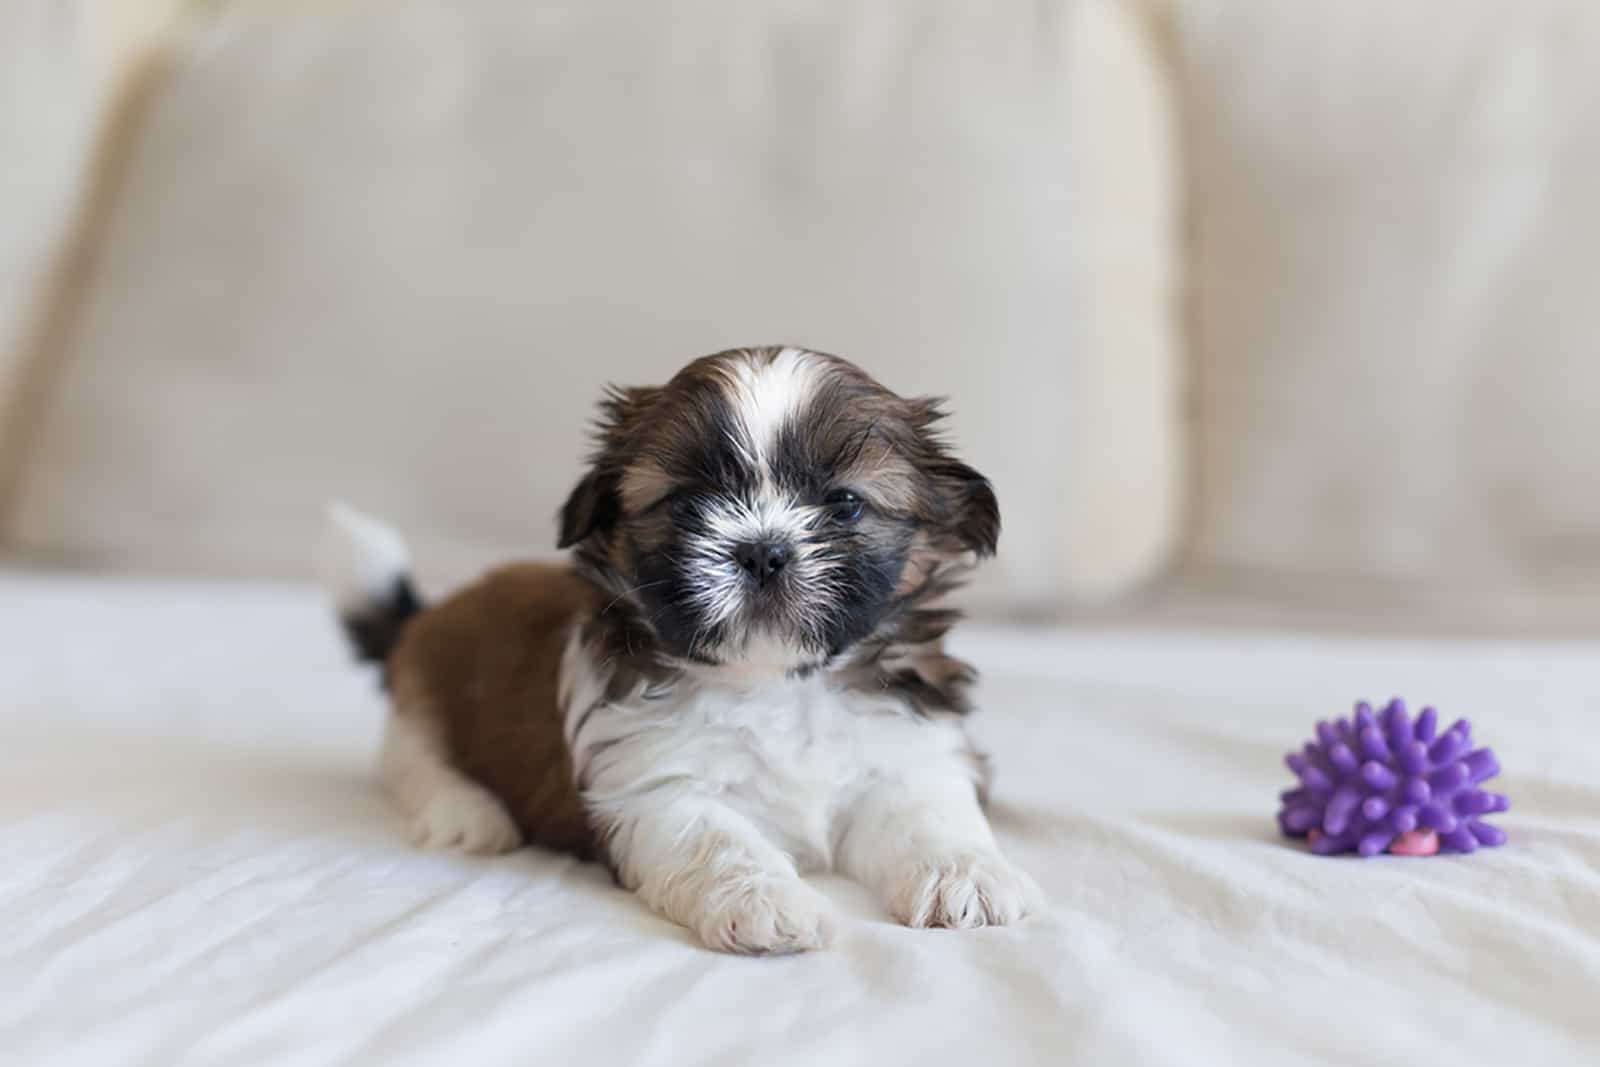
[(740, 678)]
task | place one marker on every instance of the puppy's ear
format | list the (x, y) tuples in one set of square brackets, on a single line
[(595, 503), (592, 505), (976, 512), (971, 514)]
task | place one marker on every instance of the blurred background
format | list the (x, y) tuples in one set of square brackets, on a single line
[(1251, 310)]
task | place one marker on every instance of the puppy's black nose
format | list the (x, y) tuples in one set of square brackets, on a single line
[(761, 560)]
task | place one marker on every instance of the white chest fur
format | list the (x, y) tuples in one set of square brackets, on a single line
[(792, 756)]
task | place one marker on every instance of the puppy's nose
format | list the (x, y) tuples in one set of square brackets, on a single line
[(761, 560)]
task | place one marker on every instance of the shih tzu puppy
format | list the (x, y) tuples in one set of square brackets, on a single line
[(739, 677)]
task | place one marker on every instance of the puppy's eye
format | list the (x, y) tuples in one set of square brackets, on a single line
[(844, 507), (682, 506)]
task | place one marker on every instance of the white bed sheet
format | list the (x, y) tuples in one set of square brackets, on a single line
[(198, 868)]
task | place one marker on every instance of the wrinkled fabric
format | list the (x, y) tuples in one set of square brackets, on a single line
[(199, 868)]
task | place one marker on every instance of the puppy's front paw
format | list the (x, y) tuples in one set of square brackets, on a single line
[(465, 819), (766, 916), (963, 891)]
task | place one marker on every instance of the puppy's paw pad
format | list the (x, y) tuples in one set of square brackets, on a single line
[(772, 916), (964, 891), (465, 820)]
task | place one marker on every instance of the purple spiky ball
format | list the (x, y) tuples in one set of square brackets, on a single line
[(1379, 782)]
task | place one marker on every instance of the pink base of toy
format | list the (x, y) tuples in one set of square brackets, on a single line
[(1415, 843), (1411, 843)]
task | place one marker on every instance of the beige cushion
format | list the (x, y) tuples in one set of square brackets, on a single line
[(392, 254), (46, 122), (74, 77), (1395, 286)]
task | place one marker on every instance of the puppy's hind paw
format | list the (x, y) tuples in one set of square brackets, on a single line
[(466, 819)]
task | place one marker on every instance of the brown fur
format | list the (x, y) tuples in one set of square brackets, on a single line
[(483, 667)]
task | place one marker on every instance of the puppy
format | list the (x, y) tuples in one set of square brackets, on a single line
[(739, 677)]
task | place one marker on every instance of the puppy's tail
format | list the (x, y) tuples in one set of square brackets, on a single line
[(366, 569)]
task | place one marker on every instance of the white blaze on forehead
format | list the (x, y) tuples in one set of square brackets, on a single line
[(768, 514), (766, 393)]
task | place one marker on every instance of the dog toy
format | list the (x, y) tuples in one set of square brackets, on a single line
[(1380, 782)]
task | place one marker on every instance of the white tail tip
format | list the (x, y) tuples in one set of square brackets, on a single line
[(361, 560)]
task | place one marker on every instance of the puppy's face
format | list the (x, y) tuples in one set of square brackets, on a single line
[(773, 507)]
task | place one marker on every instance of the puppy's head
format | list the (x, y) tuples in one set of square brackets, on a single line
[(772, 507)]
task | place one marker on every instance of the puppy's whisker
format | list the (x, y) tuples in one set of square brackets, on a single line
[(630, 592)]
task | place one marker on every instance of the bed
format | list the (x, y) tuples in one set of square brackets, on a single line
[(199, 868)]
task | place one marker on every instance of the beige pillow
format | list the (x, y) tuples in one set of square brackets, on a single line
[(393, 253), (47, 118), (74, 77), (1395, 285)]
